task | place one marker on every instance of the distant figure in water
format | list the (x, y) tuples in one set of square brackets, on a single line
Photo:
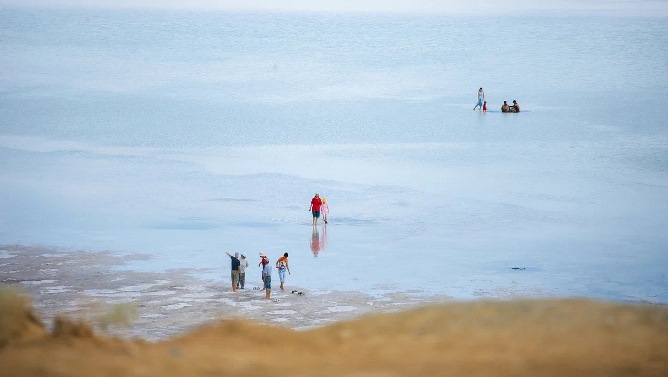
[(484, 109), (515, 108), (481, 98), (324, 210), (315, 208), (505, 108)]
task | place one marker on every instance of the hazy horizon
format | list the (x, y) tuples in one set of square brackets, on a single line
[(637, 7)]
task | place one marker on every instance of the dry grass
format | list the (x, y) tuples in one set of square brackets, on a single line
[(516, 338)]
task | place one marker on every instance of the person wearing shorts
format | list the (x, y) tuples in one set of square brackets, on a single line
[(315, 208), (235, 270), (282, 266), (266, 277)]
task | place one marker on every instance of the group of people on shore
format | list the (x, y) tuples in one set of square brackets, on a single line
[(505, 108), (239, 263)]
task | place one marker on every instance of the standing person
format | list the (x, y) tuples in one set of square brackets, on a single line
[(263, 262), (235, 270), (315, 208), (481, 98), (324, 210), (484, 110), (281, 266), (243, 264), (266, 278)]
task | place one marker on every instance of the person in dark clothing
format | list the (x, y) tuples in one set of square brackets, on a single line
[(235, 270)]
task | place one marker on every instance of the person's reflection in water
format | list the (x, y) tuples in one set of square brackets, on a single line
[(315, 241), (323, 238)]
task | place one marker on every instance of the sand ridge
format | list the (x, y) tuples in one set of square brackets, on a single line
[(503, 338)]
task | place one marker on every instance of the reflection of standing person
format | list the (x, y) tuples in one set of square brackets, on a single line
[(281, 266), (315, 242), (266, 278), (243, 264), (315, 208), (235, 270), (481, 98), (323, 239), (324, 210)]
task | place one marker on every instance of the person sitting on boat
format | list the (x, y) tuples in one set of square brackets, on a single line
[(505, 108)]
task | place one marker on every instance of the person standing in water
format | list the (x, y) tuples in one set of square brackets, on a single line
[(281, 266), (315, 208), (243, 264), (481, 99), (324, 210), (263, 262), (266, 278), (235, 270)]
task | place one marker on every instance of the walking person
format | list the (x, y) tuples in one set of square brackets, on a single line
[(243, 264), (266, 278), (481, 99), (281, 266), (324, 210), (315, 208), (235, 270)]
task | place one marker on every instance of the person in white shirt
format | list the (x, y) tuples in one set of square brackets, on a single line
[(242, 271), (481, 99)]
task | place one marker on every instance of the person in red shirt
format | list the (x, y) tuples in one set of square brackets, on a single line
[(316, 202)]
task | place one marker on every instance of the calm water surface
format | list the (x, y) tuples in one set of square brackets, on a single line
[(185, 134)]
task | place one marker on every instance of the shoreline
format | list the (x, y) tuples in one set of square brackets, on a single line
[(155, 306)]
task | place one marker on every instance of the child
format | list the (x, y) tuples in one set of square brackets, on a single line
[(324, 209), (484, 109)]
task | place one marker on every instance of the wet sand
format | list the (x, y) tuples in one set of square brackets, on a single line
[(90, 285)]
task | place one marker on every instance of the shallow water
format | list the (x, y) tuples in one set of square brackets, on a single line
[(184, 135)]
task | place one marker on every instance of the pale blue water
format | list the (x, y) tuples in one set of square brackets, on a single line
[(187, 134)]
